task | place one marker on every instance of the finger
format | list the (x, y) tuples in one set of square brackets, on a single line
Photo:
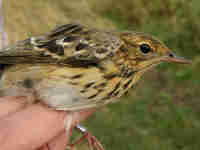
[(59, 142), (9, 105), (44, 147), (30, 128)]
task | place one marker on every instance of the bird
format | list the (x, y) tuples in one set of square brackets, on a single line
[(75, 67)]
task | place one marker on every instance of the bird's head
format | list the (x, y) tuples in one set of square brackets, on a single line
[(145, 51)]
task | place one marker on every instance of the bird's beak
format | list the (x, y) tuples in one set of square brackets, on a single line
[(171, 57)]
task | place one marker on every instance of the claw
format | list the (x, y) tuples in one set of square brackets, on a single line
[(93, 143)]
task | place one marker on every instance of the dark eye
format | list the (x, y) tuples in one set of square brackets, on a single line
[(145, 48)]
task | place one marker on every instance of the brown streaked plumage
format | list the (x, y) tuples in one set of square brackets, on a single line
[(75, 67)]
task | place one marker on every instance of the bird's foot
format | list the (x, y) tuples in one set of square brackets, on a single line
[(93, 143)]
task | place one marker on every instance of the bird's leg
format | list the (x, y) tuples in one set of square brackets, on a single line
[(68, 125), (93, 143)]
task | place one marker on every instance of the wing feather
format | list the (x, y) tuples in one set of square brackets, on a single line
[(67, 44)]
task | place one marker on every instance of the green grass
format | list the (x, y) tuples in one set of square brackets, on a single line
[(163, 111)]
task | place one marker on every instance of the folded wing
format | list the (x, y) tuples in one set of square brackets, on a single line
[(70, 44)]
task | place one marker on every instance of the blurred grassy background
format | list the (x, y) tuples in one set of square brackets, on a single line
[(163, 112)]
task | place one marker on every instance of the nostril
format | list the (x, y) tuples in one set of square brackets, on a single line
[(171, 55)]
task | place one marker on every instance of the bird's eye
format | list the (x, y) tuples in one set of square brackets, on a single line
[(145, 48)]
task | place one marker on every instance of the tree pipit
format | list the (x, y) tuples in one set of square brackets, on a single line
[(74, 67)]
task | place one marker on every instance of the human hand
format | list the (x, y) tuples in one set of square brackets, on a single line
[(34, 127)]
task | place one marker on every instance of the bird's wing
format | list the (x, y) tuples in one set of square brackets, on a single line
[(68, 44)]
